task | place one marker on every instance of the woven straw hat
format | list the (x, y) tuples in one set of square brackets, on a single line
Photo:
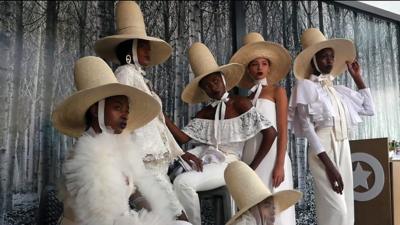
[(313, 41), (130, 25), (203, 63), (95, 81), (247, 189), (256, 47)]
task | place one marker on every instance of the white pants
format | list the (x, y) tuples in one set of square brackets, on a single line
[(333, 208), (187, 184)]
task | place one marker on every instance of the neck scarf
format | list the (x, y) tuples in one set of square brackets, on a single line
[(257, 89)]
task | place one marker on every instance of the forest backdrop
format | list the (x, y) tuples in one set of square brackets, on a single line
[(41, 40)]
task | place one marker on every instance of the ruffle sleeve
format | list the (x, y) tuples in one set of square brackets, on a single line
[(236, 129), (357, 103), (316, 100)]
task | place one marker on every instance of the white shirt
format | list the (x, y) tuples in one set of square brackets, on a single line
[(310, 108)]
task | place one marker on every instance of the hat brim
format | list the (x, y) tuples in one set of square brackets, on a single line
[(193, 94), (278, 56), (282, 201), (106, 48), (344, 50), (69, 115)]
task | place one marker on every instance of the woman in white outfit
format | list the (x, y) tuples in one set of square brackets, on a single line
[(103, 169), (221, 128), (325, 113), (134, 50), (266, 63), (257, 205)]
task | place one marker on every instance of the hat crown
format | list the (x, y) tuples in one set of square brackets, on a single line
[(252, 37), (201, 59), (129, 18), (311, 36), (246, 188), (91, 71)]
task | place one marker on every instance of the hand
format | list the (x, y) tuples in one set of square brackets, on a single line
[(278, 175), (335, 179), (354, 69), (192, 159)]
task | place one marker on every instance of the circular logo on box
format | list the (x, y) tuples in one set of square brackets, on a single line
[(360, 176)]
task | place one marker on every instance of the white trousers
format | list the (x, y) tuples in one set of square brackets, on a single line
[(187, 184), (333, 208)]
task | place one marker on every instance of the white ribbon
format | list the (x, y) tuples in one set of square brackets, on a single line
[(325, 80), (257, 89), (135, 58), (339, 125), (219, 112), (100, 117), (316, 64)]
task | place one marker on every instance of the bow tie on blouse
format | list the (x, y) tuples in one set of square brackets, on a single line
[(325, 80), (257, 89), (219, 114), (339, 125)]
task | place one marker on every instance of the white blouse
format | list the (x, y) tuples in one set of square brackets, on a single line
[(310, 108), (162, 145), (233, 133)]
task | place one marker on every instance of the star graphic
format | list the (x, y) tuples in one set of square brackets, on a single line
[(361, 177)]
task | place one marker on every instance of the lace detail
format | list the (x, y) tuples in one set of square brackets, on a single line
[(129, 75), (236, 129), (162, 146)]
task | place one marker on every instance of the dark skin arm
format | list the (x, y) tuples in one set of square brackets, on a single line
[(330, 169), (355, 72), (179, 136), (332, 173), (243, 105), (183, 138), (269, 136)]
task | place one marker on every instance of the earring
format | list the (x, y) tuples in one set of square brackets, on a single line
[(128, 59)]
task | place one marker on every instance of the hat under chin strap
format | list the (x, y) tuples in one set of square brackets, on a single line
[(135, 57), (219, 112), (257, 89), (100, 117), (314, 59)]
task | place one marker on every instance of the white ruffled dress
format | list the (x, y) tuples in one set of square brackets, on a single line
[(158, 147)]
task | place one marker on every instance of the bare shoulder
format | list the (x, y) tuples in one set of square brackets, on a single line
[(242, 104), (279, 92), (204, 113)]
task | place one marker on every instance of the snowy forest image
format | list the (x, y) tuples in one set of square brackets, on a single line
[(41, 40)]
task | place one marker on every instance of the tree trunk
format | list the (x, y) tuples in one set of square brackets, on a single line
[(297, 47), (321, 16), (82, 28), (106, 15), (264, 6), (50, 47), (18, 60)]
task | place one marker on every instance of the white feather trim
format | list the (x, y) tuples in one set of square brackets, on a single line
[(94, 178)]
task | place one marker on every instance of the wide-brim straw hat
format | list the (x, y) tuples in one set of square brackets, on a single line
[(256, 47), (95, 81), (313, 41), (130, 25), (203, 63), (247, 189)]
